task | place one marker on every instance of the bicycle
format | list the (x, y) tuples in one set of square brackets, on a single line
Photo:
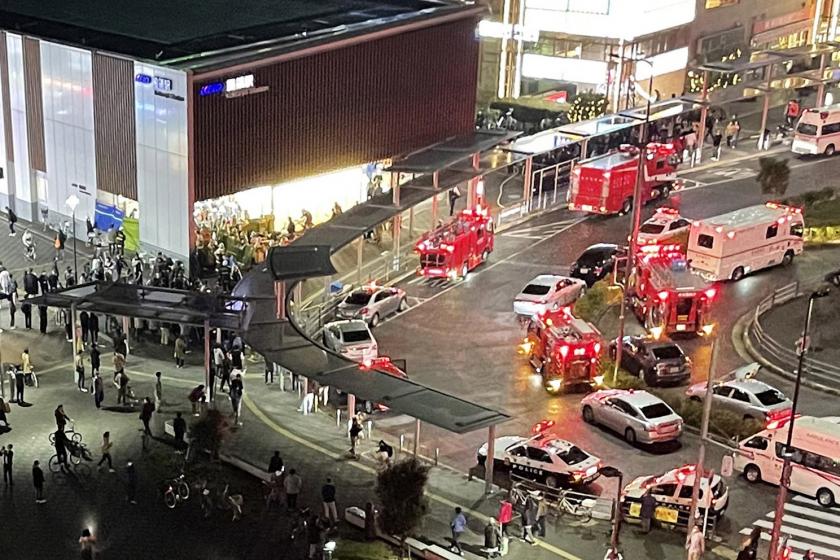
[(299, 525), (73, 435), (176, 490), (579, 507)]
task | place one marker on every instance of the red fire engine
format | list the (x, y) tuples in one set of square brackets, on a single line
[(666, 295), (458, 246), (605, 184), (564, 349)]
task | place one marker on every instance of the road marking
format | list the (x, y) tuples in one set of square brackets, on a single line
[(265, 419), (805, 533)]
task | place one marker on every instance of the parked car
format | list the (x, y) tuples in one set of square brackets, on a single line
[(352, 339), (665, 224), (597, 261), (372, 304), (657, 362), (548, 292), (637, 415), (750, 398)]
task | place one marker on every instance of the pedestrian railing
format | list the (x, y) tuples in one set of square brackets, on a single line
[(595, 507)]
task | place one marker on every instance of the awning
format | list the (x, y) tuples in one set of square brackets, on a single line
[(452, 151)]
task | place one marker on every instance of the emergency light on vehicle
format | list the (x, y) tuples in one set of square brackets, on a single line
[(542, 426), (779, 419)]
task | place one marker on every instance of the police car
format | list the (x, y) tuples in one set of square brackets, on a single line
[(672, 492), (544, 458), (666, 223)]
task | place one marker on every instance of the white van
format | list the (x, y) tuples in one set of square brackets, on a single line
[(730, 246), (815, 469), (818, 131)]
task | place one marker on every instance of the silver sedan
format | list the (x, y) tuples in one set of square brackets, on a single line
[(372, 304), (749, 398), (636, 415)]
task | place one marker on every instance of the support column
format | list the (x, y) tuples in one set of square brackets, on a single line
[(351, 408), (304, 393), (360, 249), (2, 370), (436, 186), (280, 300), (821, 87), (704, 113), (765, 109), (473, 183), (488, 464), (396, 226), (209, 383), (416, 436), (73, 335), (126, 331), (411, 223), (526, 182)]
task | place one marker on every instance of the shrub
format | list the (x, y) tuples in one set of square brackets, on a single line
[(773, 175), (723, 423), (810, 198), (587, 106), (625, 379), (401, 489), (826, 193), (356, 550), (596, 301)]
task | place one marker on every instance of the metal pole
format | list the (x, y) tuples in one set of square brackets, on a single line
[(360, 246), (489, 462), (75, 253), (209, 384), (416, 436), (526, 182), (704, 432), (436, 187), (781, 498), (351, 408), (617, 516), (473, 182), (765, 109), (619, 341), (73, 335), (704, 113), (411, 223), (821, 87), (2, 369)]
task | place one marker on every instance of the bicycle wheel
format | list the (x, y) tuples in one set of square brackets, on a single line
[(184, 490), (53, 464), (75, 459), (52, 438), (170, 499), (76, 437)]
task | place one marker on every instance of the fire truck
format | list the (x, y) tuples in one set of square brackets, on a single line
[(666, 296), (564, 349), (605, 184), (457, 246)]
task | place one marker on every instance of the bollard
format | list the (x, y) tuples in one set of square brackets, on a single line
[(338, 418), (370, 429), (437, 455)]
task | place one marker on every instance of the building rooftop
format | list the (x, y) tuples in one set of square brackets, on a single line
[(190, 34)]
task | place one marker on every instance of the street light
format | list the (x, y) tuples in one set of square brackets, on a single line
[(612, 472), (72, 202), (637, 213), (786, 467)]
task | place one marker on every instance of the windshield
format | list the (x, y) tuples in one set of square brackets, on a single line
[(536, 290), (657, 410), (574, 455), (666, 352), (651, 228), (358, 298), (355, 336), (770, 397), (807, 129)]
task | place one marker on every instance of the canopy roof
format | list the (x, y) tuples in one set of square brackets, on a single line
[(452, 151)]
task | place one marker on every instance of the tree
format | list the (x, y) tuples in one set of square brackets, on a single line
[(587, 106), (209, 432), (773, 175), (401, 490)]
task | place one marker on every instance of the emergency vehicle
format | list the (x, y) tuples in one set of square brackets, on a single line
[(666, 296), (458, 246), (818, 131), (814, 454), (665, 227), (605, 184), (564, 349), (730, 246)]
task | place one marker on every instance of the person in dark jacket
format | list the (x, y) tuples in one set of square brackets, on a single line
[(131, 483), (179, 425), (42, 319), (146, 415), (84, 323), (275, 464), (529, 517), (12, 221), (38, 482), (647, 510), (61, 449), (95, 358), (26, 308), (93, 327), (30, 283), (43, 283)]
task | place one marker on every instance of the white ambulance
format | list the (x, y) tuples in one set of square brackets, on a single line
[(730, 246), (818, 131), (815, 456)]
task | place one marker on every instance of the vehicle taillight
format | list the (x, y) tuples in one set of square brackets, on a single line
[(364, 311), (663, 295), (564, 351), (710, 293), (450, 248), (597, 347)]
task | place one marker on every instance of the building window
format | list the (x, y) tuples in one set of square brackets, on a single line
[(720, 3)]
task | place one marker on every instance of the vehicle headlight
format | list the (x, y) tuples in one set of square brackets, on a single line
[(555, 384)]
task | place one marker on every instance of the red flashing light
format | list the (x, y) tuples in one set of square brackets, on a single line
[(597, 347), (541, 426), (663, 295), (730, 235), (711, 292), (781, 220), (564, 351)]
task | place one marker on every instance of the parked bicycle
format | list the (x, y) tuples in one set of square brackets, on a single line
[(577, 505), (175, 491), (72, 435)]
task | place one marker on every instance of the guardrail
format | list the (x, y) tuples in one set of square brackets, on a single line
[(601, 508)]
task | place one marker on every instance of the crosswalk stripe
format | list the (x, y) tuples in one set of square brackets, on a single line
[(796, 520), (808, 526), (818, 513), (827, 553), (810, 535)]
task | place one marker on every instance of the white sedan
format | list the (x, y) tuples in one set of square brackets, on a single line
[(665, 224), (548, 292)]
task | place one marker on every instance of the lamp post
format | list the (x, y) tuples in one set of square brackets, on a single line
[(636, 216), (2, 370), (72, 202), (612, 472), (785, 480)]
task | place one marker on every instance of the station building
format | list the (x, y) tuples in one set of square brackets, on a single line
[(152, 112)]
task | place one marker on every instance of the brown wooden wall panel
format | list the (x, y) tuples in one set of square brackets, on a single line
[(113, 113), (34, 103), (4, 93), (338, 108)]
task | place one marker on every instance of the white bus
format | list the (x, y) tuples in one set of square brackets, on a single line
[(815, 458), (818, 131), (730, 246)]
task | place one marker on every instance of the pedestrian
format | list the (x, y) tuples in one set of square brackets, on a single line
[(98, 390), (237, 389), (218, 360), (454, 195), (145, 416), (180, 351), (42, 319), (505, 515), (8, 454), (733, 128), (13, 301), (12, 221), (119, 364), (122, 388), (58, 243), (809, 555), (93, 327), (26, 309), (38, 482), (716, 139), (328, 500), (646, 512), (179, 425), (20, 384), (61, 449), (792, 112), (269, 372), (542, 512), (492, 538), (384, 452), (197, 397), (313, 535), (749, 549), (292, 485), (275, 464), (95, 358), (79, 364), (164, 334), (458, 526), (107, 444), (158, 392), (84, 323), (696, 543), (86, 542), (131, 482), (354, 431), (529, 517), (224, 372), (61, 418)]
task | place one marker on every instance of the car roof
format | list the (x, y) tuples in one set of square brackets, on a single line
[(548, 279), (349, 325), (632, 396), (748, 385), (600, 248), (368, 289), (687, 478)]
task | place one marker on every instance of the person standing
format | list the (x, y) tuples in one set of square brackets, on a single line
[(98, 389), (79, 364), (158, 391), (93, 327), (237, 389), (13, 301), (458, 526), (179, 425), (95, 358), (354, 431), (86, 542), (505, 515), (647, 510), (26, 309), (542, 511), (107, 444), (180, 351), (12, 221), (8, 459), (454, 195), (328, 500), (131, 483), (38, 482), (749, 549), (146, 416), (61, 449), (696, 543), (84, 323), (20, 384), (529, 516), (733, 127), (292, 485), (58, 243), (122, 391), (218, 359), (275, 464)]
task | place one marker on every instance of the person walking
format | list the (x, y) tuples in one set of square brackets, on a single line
[(180, 351), (38, 482), (458, 526), (12, 221), (158, 392), (749, 549), (237, 389), (529, 517), (696, 543), (13, 301), (105, 448), (61, 449), (179, 425), (26, 309), (733, 127), (646, 512), (292, 485), (98, 389), (146, 416), (119, 364), (131, 483), (8, 454), (275, 464), (354, 431), (328, 501), (716, 139), (122, 388), (58, 243), (218, 360), (79, 364)]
